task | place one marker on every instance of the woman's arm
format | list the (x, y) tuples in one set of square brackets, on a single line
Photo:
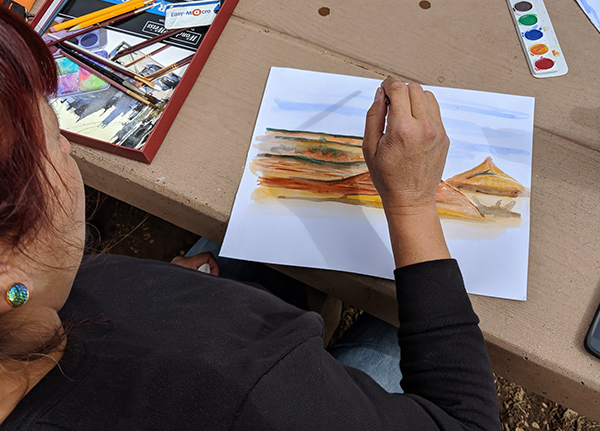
[(406, 163)]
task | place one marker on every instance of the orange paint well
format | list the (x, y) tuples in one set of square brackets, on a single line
[(538, 49)]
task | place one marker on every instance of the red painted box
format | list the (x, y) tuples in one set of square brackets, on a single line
[(106, 127)]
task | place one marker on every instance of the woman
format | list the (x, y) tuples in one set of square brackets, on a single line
[(160, 346)]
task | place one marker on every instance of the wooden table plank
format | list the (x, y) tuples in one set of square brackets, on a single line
[(193, 180)]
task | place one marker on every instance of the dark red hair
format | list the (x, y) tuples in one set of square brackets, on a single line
[(27, 76)]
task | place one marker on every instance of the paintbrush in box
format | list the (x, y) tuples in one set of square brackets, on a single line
[(106, 62), (151, 41), (156, 51), (168, 69), (114, 80)]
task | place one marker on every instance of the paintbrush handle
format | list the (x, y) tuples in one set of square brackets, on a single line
[(165, 35), (165, 70), (107, 76), (106, 62), (108, 80), (156, 51)]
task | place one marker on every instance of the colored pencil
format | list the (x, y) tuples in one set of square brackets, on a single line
[(99, 25), (151, 41), (103, 76), (106, 62), (156, 51), (110, 15), (170, 68), (101, 14)]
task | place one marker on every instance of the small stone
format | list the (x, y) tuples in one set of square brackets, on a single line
[(535, 425), (570, 415), (519, 429)]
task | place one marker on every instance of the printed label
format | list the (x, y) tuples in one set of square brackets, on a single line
[(192, 14)]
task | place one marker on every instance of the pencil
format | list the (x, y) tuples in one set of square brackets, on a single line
[(106, 62), (151, 41), (110, 15), (103, 76), (156, 51), (120, 8), (168, 69), (97, 26)]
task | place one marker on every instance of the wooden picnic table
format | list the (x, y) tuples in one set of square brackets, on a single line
[(468, 44)]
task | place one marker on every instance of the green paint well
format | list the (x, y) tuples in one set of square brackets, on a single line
[(528, 19)]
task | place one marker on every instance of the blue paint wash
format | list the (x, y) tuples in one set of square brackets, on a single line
[(589, 10), (289, 105), (483, 110), (533, 35)]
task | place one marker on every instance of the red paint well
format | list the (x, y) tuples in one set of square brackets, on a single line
[(544, 63)]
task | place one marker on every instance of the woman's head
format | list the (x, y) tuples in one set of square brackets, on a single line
[(41, 194), (28, 75)]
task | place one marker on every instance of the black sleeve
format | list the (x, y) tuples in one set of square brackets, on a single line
[(443, 356), (447, 379)]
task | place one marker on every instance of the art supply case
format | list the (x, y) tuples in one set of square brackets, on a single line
[(178, 87)]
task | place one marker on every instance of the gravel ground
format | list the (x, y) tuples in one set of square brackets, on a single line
[(115, 227)]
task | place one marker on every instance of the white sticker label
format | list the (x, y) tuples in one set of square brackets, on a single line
[(191, 14)]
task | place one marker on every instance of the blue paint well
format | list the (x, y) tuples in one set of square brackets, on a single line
[(533, 35)]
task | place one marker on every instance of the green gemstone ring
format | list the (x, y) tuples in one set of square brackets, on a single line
[(17, 295)]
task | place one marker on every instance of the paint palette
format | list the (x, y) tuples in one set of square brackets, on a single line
[(543, 53), (73, 80)]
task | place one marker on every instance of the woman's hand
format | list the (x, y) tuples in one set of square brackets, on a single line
[(406, 164), (196, 261)]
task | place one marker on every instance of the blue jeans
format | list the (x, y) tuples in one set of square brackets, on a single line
[(370, 344)]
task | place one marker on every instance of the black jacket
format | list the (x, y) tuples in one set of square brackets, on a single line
[(181, 350)]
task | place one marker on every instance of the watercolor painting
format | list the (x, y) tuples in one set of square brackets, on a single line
[(306, 197), (322, 167)]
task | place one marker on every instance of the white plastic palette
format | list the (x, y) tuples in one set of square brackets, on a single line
[(543, 53)]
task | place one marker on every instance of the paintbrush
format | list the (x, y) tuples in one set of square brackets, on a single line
[(118, 84), (151, 41), (97, 26), (156, 51), (96, 67), (106, 62), (170, 68), (102, 14)]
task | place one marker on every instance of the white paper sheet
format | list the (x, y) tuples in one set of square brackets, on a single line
[(492, 252), (592, 10)]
